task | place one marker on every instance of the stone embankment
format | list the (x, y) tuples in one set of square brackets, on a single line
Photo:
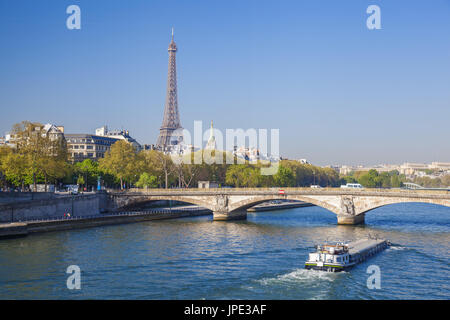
[(16, 229), (24, 206)]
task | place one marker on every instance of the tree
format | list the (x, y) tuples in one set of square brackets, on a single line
[(243, 175), (4, 152), (167, 166), (284, 177), (147, 181), (90, 171), (446, 180), (369, 179), (188, 174), (15, 169), (80, 181), (45, 153), (235, 175), (121, 161), (395, 181), (373, 179)]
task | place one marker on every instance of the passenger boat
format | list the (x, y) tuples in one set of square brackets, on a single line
[(342, 256)]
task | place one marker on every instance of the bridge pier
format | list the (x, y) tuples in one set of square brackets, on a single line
[(350, 219), (234, 215)]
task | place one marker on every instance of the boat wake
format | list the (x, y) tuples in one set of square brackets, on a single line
[(394, 247), (301, 276)]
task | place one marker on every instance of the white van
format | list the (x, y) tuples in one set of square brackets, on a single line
[(352, 186)]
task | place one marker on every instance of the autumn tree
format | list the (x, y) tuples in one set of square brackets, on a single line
[(121, 161), (45, 154), (15, 169)]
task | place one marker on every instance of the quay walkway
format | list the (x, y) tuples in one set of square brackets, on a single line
[(23, 228)]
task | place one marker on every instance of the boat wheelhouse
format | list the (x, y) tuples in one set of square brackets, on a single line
[(329, 257)]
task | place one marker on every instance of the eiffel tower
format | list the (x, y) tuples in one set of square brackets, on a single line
[(171, 121)]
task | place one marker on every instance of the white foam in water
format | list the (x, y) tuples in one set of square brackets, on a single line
[(396, 248), (300, 276)]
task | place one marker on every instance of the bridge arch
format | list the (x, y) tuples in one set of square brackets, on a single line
[(372, 204), (136, 200), (250, 202)]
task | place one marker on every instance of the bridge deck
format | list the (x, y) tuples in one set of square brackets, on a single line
[(436, 194)]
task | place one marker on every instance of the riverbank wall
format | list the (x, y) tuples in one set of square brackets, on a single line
[(13, 197), (24, 228), (46, 206)]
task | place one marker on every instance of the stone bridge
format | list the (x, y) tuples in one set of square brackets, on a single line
[(350, 206)]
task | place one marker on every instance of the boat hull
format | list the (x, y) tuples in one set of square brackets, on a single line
[(328, 268)]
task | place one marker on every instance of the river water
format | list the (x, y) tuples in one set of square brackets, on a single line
[(261, 258)]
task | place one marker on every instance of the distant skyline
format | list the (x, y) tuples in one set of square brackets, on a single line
[(338, 92)]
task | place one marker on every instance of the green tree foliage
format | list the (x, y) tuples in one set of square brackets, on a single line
[(243, 175), (37, 156), (375, 179), (349, 179), (89, 170), (81, 181), (15, 169), (147, 181), (4, 151), (121, 161), (289, 174), (284, 177), (235, 175), (369, 180)]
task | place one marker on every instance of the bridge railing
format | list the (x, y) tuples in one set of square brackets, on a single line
[(286, 190)]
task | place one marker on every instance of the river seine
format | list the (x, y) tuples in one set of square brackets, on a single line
[(261, 258)]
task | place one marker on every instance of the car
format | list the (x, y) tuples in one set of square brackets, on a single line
[(352, 186), (316, 186), (72, 189)]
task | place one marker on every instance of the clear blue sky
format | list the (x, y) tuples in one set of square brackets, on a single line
[(338, 92)]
